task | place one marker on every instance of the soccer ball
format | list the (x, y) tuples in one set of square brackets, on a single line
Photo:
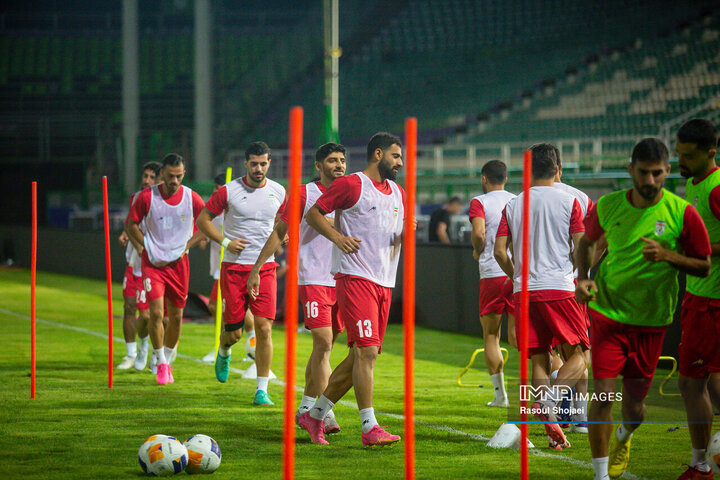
[(203, 454), (713, 453), (162, 456), (250, 347)]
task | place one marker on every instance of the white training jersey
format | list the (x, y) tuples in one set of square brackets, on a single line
[(169, 227), (581, 196), (493, 204), (315, 257), (377, 220), (132, 257), (250, 214), (215, 249), (551, 212)]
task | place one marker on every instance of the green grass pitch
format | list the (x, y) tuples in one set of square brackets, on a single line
[(77, 428)]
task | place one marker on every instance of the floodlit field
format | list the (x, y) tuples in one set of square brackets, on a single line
[(77, 428)]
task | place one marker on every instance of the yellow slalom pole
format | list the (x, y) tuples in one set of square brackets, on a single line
[(218, 304)]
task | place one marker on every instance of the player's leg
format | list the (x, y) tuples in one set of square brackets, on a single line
[(713, 387), (156, 330), (700, 416), (250, 337), (263, 356), (318, 368), (600, 426), (493, 356), (141, 324), (512, 334), (172, 333), (129, 310)]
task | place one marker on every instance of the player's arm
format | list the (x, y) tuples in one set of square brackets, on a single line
[(477, 236), (316, 219), (135, 235), (586, 288), (123, 238), (654, 252), (502, 243), (442, 233), (197, 237), (272, 244), (205, 225)]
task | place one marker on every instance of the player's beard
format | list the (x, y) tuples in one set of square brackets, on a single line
[(648, 192), (386, 171)]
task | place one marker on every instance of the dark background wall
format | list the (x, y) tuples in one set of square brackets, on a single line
[(446, 283)]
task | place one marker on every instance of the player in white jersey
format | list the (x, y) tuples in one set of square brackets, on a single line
[(251, 205), (317, 285), (555, 220), (369, 210), (168, 211), (495, 287), (133, 293)]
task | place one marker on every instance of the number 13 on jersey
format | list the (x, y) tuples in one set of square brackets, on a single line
[(364, 328)]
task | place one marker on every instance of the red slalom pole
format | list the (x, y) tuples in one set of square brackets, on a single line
[(291, 288), (524, 311), (33, 273), (109, 283), (409, 294)]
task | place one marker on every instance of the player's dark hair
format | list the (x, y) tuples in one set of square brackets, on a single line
[(650, 150), (220, 179), (544, 161), (173, 160), (558, 160), (324, 150), (495, 171), (700, 132), (257, 149), (383, 141), (154, 166)]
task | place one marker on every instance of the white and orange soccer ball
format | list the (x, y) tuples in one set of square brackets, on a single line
[(713, 453), (162, 456), (203, 454)]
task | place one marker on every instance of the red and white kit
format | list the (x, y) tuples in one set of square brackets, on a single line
[(495, 288), (132, 283), (554, 313), (215, 258), (249, 214), (373, 212), (317, 285), (169, 225)]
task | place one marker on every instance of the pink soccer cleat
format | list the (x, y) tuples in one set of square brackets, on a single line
[(378, 436), (556, 437), (164, 374), (314, 427)]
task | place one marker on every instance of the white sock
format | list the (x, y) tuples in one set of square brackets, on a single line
[(131, 349), (321, 408), (262, 383), (144, 342), (169, 351), (367, 417), (553, 376), (498, 381), (699, 457), (623, 434), (306, 404), (159, 356), (582, 406), (600, 465), (330, 416), (224, 351)]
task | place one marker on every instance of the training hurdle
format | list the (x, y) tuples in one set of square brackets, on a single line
[(470, 364)]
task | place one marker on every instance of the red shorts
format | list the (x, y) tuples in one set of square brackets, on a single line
[(628, 350), (133, 287), (170, 281), (699, 349), (235, 298), (553, 322), (363, 306), (320, 307), (496, 296), (213, 292)]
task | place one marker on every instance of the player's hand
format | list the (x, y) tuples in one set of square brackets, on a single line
[(653, 251), (237, 246), (348, 244), (203, 244), (123, 239), (585, 291), (253, 284), (286, 240), (476, 255)]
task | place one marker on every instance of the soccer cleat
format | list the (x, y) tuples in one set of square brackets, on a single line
[(222, 368), (579, 427), (314, 427), (557, 446), (164, 374), (173, 356), (126, 363), (377, 436), (262, 398), (619, 457), (153, 364), (694, 474), (499, 402), (141, 359), (552, 429), (330, 425)]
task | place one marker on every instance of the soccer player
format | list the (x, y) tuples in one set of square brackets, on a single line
[(495, 287), (652, 235), (317, 285), (168, 211), (133, 292), (699, 349), (555, 225), (251, 205), (369, 209)]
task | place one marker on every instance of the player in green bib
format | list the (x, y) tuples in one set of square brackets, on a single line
[(699, 352), (652, 235)]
